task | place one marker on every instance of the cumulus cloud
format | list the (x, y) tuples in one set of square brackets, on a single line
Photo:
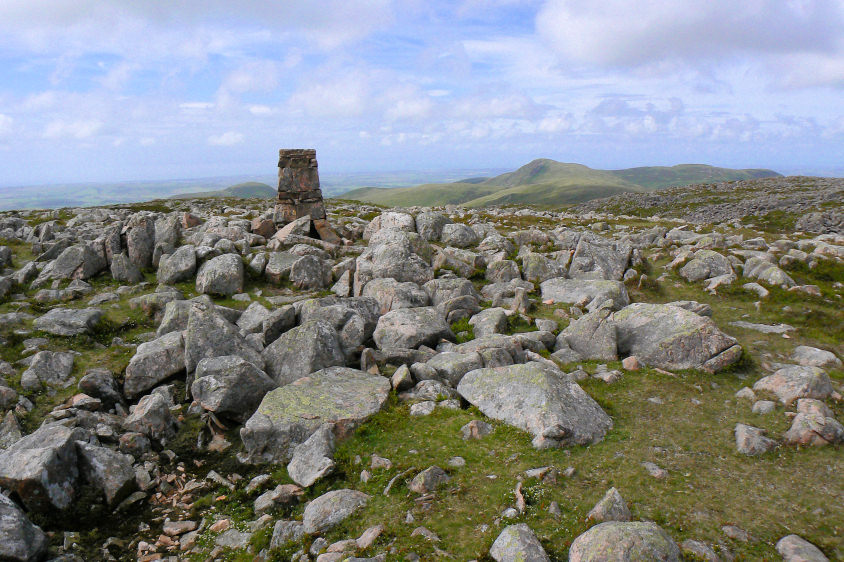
[(79, 129), (622, 33), (5, 124), (229, 138)]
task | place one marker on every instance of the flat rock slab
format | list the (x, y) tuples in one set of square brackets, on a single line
[(411, 327), (584, 291), (289, 415), (538, 399), (671, 337), (331, 508), (763, 328), (796, 381), (69, 322), (624, 541)]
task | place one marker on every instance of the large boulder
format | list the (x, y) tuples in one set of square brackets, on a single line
[(616, 541), (41, 468), (517, 543), (152, 417), (20, 539), (796, 381), (671, 337), (109, 471), (230, 386), (814, 357), (458, 235), (69, 322), (314, 458), (153, 363), (394, 254), (331, 508), (596, 257), (77, 262), (222, 276), (539, 399), (392, 294), (289, 415), (52, 368), (705, 264), (794, 548), (538, 268), (278, 266), (302, 350), (178, 266), (593, 336), (389, 220), (763, 270), (411, 327), (124, 271), (310, 272), (430, 225), (584, 291), (209, 334)]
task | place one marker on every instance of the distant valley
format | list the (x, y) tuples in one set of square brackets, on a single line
[(550, 183)]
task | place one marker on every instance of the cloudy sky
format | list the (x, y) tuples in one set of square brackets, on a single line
[(102, 90)]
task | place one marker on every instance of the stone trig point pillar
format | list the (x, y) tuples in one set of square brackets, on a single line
[(299, 194)]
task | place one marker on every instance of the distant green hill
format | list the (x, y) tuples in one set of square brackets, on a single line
[(548, 182), (247, 190)]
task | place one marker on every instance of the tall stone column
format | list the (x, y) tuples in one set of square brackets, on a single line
[(299, 193)]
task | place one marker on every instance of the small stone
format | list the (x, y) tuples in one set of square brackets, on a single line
[(428, 480), (612, 507), (763, 406), (751, 441), (735, 533), (457, 462), (630, 363), (793, 548), (425, 408), (655, 470), (476, 429)]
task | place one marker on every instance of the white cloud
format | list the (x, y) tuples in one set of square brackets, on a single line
[(195, 106), (253, 76), (260, 110), (624, 33), (229, 138), (5, 124), (80, 129)]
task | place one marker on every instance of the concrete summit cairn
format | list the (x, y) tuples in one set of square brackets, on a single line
[(299, 193)]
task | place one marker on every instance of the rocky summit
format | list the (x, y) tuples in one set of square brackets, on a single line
[(654, 376)]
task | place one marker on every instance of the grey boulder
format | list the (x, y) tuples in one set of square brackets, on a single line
[(152, 417), (230, 386), (20, 539), (670, 337), (538, 399), (612, 507), (794, 548), (616, 541), (705, 264), (52, 368), (581, 292), (592, 336), (517, 543), (814, 357), (331, 508), (154, 362), (209, 334), (124, 271), (109, 471), (288, 415), (69, 322), (795, 381), (302, 350), (314, 458), (41, 468), (411, 327), (178, 266), (222, 276)]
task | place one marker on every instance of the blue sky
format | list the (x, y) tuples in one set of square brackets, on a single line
[(124, 89)]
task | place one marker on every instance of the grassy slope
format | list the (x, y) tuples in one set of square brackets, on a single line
[(660, 177), (547, 182)]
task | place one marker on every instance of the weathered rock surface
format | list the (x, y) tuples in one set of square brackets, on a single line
[(20, 539), (289, 415), (584, 291), (538, 399), (221, 276), (69, 322), (612, 507), (624, 541), (314, 458), (517, 543), (302, 350), (795, 381), (794, 548), (52, 368), (331, 508), (209, 334), (153, 363), (230, 386), (411, 327), (152, 417), (178, 266), (109, 471), (673, 338)]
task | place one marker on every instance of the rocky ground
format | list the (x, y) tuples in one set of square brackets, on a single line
[(183, 381)]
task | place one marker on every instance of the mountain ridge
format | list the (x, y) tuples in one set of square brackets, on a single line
[(546, 182)]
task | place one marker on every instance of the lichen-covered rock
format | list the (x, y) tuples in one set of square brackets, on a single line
[(428, 480), (20, 539), (52, 368), (596, 257), (278, 266), (592, 336), (41, 468), (394, 254), (76, 262), (210, 335), (392, 294), (230, 386), (796, 381), (153, 363), (794, 548), (517, 543), (222, 276), (331, 508), (489, 321), (178, 266), (538, 399), (314, 458), (69, 322), (310, 272), (502, 271), (538, 268), (671, 337), (751, 440), (152, 417), (616, 541), (451, 367), (814, 424), (108, 470), (814, 357), (124, 271), (411, 327), (302, 350), (430, 225), (612, 507), (584, 291), (763, 270), (458, 235), (705, 264), (289, 415)]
